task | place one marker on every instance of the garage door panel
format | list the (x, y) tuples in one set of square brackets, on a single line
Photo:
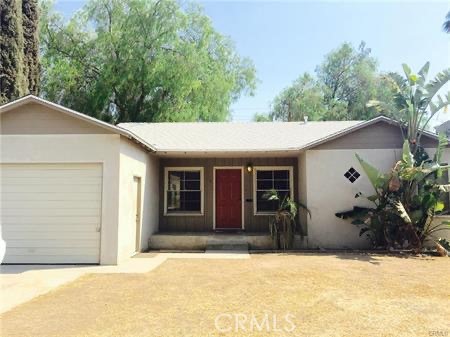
[(50, 197), (36, 228), (6, 189), (51, 204), (48, 173), (51, 259), (56, 251), (51, 213), (30, 168), (57, 220), (52, 243), (53, 234), (50, 180)]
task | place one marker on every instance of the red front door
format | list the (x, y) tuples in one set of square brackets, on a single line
[(228, 199)]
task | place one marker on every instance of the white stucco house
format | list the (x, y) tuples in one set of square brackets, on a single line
[(77, 190)]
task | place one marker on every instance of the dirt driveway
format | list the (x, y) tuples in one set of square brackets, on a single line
[(266, 295)]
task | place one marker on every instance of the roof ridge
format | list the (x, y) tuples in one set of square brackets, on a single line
[(239, 123)]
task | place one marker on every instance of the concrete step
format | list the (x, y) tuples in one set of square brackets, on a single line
[(200, 241), (227, 242), (227, 246)]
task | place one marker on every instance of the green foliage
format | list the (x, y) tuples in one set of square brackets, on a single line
[(420, 156), (140, 61), (347, 80), (303, 98), (373, 223), (416, 101), (31, 44), (349, 87), (378, 180), (283, 225), (444, 243), (405, 204), (260, 117), (19, 65)]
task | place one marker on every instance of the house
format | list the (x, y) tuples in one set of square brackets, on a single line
[(78, 190), (444, 128)]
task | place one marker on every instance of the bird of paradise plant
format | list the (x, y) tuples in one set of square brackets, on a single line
[(406, 201), (416, 102)]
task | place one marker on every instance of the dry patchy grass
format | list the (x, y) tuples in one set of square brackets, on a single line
[(328, 295)]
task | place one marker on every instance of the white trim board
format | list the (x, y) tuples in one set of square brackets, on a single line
[(215, 168)]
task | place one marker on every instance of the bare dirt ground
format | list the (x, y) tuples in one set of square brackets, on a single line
[(267, 295)]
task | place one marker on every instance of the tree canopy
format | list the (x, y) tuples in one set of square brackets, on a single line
[(345, 82), (140, 61), (348, 76), (261, 117), (303, 98)]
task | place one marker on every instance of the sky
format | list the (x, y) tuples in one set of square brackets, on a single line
[(287, 38)]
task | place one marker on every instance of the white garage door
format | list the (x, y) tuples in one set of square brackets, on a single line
[(51, 213)]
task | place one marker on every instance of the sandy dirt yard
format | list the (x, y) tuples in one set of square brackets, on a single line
[(266, 295)]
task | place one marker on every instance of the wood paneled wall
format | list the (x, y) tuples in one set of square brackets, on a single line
[(252, 223)]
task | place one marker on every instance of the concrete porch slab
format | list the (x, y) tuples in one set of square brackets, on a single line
[(226, 241)]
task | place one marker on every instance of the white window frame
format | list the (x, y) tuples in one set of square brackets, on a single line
[(202, 193), (271, 168)]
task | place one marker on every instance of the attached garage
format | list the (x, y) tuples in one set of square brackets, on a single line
[(66, 181), (51, 213)]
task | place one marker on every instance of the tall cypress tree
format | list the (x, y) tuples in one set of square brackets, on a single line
[(19, 64), (31, 44)]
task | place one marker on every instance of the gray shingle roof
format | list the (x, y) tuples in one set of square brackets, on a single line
[(235, 137)]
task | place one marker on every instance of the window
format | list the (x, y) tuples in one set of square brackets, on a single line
[(266, 179), (352, 175), (183, 190)]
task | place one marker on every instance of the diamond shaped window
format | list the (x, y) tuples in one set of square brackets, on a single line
[(352, 175)]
